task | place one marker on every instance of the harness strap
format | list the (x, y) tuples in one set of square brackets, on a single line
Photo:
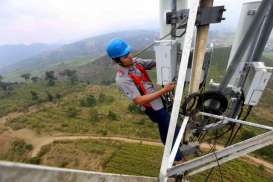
[(139, 80)]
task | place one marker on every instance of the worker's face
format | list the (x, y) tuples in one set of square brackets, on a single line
[(127, 60)]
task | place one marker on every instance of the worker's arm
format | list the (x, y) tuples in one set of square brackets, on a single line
[(143, 99)]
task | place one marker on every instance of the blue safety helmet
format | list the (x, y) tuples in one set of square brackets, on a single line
[(117, 48)]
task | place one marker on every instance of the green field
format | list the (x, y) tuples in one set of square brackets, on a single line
[(93, 120), (108, 116), (20, 97), (134, 159)]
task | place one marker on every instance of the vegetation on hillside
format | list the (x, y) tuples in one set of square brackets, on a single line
[(133, 159), (23, 95), (67, 104), (18, 150), (94, 110)]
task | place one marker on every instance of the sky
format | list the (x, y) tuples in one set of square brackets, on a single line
[(61, 21)]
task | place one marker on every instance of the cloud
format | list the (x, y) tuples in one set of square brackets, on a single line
[(53, 20), (28, 21)]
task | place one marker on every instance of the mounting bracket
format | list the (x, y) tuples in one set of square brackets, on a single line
[(205, 16)]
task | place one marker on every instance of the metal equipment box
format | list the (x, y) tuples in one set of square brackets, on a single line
[(166, 61), (256, 81)]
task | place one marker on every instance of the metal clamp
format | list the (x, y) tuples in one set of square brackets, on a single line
[(210, 15), (205, 15)]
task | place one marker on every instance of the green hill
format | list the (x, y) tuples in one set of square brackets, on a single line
[(75, 54)]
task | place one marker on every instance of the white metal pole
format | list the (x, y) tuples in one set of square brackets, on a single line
[(179, 88), (231, 152), (237, 121), (177, 142), (164, 7)]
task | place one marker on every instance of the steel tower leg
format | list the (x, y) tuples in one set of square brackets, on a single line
[(179, 89)]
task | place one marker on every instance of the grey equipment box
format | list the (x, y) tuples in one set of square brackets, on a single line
[(166, 61), (256, 81)]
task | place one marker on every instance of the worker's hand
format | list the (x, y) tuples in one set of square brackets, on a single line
[(169, 87)]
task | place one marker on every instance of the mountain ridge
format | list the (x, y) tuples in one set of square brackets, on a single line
[(86, 50)]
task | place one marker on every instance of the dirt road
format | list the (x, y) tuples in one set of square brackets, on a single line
[(39, 141), (47, 140)]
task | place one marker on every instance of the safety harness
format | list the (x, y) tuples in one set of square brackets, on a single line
[(140, 79)]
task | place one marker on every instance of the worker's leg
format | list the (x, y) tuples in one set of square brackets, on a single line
[(162, 117)]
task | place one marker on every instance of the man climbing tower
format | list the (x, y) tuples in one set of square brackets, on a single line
[(134, 81)]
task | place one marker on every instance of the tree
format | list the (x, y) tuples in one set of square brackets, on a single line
[(49, 96), (94, 115), (105, 99), (112, 116), (88, 101), (72, 112), (26, 76), (34, 95), (19, 147), (58, 96), (6, 87), (50, 77), (71, 75), (34, 79), (1, 78), (102, 98)]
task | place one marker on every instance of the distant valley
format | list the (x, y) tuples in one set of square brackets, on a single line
[(74, 55), (12, 54)]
